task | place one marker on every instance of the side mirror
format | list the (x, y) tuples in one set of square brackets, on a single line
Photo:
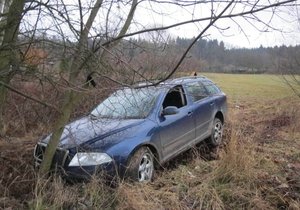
[(170, 110)]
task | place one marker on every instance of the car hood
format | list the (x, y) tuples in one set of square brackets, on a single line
[(87, 129)]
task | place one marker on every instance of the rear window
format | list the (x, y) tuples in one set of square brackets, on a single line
[(212, 89), (196, 91)]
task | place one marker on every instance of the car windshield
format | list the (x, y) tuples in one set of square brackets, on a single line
[(127, 103)]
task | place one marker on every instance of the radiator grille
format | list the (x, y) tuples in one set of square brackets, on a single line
[(59, 159)]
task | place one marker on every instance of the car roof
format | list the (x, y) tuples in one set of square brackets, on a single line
[(175, 81), (184, 80)]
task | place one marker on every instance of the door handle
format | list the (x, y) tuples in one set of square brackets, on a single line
[(212, 103), (190, 113)]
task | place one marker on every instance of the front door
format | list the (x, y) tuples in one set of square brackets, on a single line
[(177, 131)]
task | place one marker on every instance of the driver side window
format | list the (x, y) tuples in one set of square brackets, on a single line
[(175, 97)]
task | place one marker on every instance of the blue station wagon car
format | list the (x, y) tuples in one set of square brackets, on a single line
[(136, 129)]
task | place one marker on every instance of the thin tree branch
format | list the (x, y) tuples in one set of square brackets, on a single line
[(29, 97), (198, 20), (214, 19)]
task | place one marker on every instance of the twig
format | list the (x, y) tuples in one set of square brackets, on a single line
[(29, 97)]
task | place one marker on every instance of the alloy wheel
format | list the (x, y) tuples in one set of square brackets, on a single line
[(218, 132), (146, 167)]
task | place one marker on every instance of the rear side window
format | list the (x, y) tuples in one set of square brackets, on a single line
[(196, 91), (211, 88)]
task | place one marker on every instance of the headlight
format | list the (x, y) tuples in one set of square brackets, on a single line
[(90, 159)]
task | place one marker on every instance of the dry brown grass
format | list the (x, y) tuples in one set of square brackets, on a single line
[(54, 193), (258, 167)]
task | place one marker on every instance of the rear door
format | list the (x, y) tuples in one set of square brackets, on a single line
[(203, 106)]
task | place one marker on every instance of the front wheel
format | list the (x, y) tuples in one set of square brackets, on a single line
[(141, 165), (216, 133)]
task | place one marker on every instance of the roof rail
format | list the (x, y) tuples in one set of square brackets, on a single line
[(190, 77), (150, 82)]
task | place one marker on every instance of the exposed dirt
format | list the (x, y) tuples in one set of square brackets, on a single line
[(281, 121), (271, 128)]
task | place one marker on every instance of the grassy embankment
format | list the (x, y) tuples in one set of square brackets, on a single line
[(257, 167)]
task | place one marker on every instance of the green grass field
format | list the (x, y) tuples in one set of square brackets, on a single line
[(252, 87)]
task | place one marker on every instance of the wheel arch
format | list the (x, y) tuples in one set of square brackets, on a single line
[(152, 148), (220, 116)]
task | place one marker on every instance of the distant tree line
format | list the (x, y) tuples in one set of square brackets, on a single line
[(157, 56), (212, 56)]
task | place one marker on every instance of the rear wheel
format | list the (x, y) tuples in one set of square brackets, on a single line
[(141, 165), (216, 133)]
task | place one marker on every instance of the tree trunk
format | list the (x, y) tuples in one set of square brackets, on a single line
[(9, 58), (71, 98)]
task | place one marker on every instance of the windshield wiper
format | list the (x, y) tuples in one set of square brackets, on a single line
[(93, 117)]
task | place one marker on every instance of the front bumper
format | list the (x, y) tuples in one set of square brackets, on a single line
[(60, 165), (106, 171)]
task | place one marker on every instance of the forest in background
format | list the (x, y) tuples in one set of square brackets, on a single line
[(213, 56), (157, 56)]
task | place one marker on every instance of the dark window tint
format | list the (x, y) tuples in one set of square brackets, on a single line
[(211, 88), (175, 97), (196, 91)]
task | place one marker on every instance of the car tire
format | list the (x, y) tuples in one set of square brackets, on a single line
[(141, 166), (215, 138)]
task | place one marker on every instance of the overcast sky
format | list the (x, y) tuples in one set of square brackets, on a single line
[(238, 32)]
